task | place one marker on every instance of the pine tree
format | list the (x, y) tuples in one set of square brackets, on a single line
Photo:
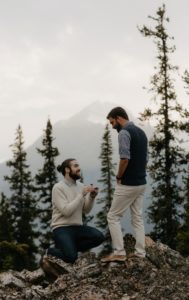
[(107, 181), (167, 155), (22, 201), (185, 122), (45, 180), (183, 235), (6, 228), (12, 255)]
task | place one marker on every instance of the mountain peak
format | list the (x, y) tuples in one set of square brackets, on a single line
[(95, 112)]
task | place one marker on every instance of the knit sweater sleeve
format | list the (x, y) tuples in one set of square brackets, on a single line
[(88, 204), (60, 200)]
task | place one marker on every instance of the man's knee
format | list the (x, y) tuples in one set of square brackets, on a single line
[(98, 236), (137, 220), (70, 258), (111, 217)]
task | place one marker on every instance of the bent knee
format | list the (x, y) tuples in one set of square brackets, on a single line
[(112, 217), (98, 236), (71, 258), (109, 216)]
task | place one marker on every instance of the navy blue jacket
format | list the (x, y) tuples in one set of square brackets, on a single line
[(135, 173)]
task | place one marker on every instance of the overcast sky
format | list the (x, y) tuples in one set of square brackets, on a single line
[(58, 56)]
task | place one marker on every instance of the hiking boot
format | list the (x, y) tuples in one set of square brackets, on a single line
[(113, 257), (48, 268), (136, 255), (61, 266)]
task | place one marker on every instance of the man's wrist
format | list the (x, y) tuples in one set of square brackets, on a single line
[(92, 196), (118, 178)]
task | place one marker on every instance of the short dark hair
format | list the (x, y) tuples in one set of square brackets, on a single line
[(66, 164), (117, 112)]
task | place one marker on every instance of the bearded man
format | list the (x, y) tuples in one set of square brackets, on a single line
[(130, 186), (70, 199)]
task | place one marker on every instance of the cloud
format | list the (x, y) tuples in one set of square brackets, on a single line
[(69, 29), (35, 103), (58, 56)]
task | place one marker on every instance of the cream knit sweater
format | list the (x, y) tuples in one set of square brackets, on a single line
[(68, 203)]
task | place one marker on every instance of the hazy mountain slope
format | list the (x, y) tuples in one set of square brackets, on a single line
[(79, 137)]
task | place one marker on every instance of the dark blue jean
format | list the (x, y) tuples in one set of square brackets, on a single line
[(69, 240)]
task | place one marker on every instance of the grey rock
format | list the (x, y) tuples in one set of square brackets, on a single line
[(9, 279), (163, 274)]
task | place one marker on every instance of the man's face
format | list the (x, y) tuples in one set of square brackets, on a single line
[(115, 123), (75, 171)]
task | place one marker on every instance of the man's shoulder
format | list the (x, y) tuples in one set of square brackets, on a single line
[(124, 133), (59, 185), (132, 126)]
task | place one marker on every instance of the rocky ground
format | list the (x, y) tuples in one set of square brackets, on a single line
[(163, 274)]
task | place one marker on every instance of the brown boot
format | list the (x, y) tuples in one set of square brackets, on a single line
[(48, 268), (136, 255), (113, 257)]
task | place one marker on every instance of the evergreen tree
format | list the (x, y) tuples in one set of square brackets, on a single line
[(185, 122), (45, 180), (183, 235), (107, 181), (186, 80), (22, 202), (167, 155), (6, 228), (12, 255)]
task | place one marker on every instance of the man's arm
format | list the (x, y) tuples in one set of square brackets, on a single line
[(88, 204), (61, 202), (124, 139), (123, 163), (89, 199)]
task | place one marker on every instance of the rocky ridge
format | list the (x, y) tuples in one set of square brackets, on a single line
[(162, 275)]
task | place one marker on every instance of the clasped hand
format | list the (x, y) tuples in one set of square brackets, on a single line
[(90, 189)]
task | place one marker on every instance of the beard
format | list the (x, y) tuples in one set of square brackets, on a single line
[(118, 127), (74, 176)]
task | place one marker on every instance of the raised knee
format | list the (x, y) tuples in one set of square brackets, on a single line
[(138, 218), (110, 217), (98, 236), (71, 258), (101, 237)]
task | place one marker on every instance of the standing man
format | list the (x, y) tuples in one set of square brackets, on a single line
[(70, 199), (130, 187)]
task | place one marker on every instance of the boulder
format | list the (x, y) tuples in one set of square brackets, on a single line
[(163, 274)]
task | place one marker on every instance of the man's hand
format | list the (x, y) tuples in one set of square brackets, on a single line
[(90, 189), (94, 193), (118, 181)]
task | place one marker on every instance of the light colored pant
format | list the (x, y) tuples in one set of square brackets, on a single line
[(127, 197)]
